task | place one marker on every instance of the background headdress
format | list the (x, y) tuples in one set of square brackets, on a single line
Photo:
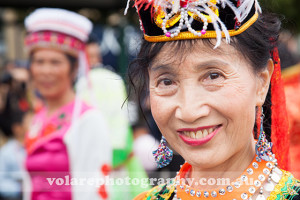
[(169, 20), (63, 30)]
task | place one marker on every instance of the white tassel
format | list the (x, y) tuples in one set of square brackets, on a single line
[(127, 7), (233, 8), (217, 23), (217, 28), (257, 7), (245, 9)]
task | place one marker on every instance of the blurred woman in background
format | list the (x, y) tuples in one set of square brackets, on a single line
[(67, 139)]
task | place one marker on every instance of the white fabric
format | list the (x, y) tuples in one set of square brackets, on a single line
[(143, 147), (27, 186), (106, 91), (59, 20), (89, 149)]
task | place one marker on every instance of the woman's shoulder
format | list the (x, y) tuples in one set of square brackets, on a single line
[(162, 192), (287, 188)]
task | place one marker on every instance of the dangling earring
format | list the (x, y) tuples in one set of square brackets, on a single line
[(263, 147), (163, 154)]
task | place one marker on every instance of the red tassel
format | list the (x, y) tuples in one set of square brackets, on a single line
[(139, 4), (280, 125), (258, 121)]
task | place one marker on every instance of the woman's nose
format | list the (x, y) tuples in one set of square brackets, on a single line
[(191, 106)]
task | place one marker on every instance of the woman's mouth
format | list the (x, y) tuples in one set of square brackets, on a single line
[(198, 136)]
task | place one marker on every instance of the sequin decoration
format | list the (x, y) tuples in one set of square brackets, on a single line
[(250, 171), (214, 194), (206, 194), (252, 190), (229, 188), (244, 196), (244, 178), (187, 190), (237, 184), (222, 192), (257, 183), (163, 155), (192, 192), (266, 171)]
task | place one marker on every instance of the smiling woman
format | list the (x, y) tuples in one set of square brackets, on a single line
[(208, 68)]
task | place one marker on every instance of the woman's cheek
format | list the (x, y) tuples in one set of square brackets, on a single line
[(158, 108)]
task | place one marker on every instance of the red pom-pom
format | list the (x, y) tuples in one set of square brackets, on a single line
[(102, 192), (105, 169)]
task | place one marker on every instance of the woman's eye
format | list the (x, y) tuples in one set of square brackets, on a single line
[(213, 76), (164, 82), (167, 82), (166, 86)]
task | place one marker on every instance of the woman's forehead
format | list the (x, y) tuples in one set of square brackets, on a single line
[(175, 54)]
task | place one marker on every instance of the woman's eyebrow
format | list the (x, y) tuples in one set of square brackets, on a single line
[(162, 67), (212, 63)]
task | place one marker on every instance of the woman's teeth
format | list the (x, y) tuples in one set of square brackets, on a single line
[(198, 134)]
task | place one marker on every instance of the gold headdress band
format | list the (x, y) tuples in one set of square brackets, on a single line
[(209, 34)]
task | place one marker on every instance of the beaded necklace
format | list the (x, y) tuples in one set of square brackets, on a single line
[(242, 188)]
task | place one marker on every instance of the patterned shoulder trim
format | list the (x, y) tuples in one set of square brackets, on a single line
[(161, 192), (287, 188)]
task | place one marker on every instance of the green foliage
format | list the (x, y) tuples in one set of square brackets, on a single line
[(289, 11)]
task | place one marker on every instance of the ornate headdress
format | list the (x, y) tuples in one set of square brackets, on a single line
[(166, 20), (169, 20), (57, 28)]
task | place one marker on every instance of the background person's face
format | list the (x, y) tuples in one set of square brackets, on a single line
[(51, 73), (93, 54), (215, 91)]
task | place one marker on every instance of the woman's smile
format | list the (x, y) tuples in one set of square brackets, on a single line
[(198, 136)]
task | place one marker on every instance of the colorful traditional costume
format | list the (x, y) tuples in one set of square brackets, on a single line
[(171, 20), (69, 152)]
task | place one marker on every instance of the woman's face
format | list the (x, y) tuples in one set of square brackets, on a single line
[(51, 73), (204, 102)]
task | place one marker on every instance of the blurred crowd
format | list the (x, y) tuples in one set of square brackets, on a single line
[(20, 101)]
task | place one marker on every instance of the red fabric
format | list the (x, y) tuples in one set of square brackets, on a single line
[(292, 88), (280, 125)]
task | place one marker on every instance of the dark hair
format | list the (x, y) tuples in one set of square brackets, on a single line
[(93, 39), (255, 44), (73, 62)]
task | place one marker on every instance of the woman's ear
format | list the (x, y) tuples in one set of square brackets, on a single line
[(264, 78)]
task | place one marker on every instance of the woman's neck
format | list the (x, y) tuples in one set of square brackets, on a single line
[(54, 104), (230, 169)]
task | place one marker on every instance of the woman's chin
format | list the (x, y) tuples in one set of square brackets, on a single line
[(202, 162), (204, 158), (48, 95)]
